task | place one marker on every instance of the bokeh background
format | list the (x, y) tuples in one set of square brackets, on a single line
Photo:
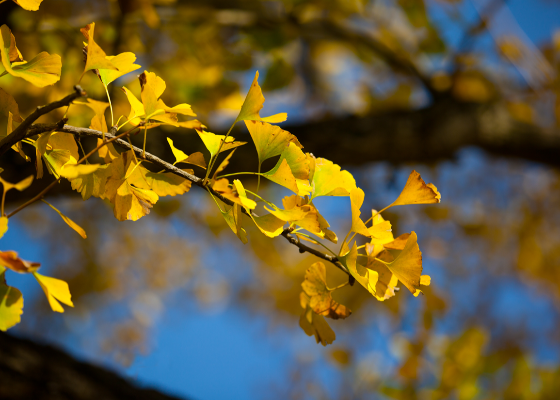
[(464, 91)]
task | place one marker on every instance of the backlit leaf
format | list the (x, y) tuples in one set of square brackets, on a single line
[(269, 224), (223, 165), (124, 63), (380, 230), (92, 184), (314, 324), (9, 105), (29, 5), (320, 299), (3, 226), (356, 200), (68, 221), (245, 201), (43, 70), (416, 191), (73, 171), (161, 183), (270, 140), (56, 290), (329, 180), (195, 158), (96, 57), (21, 185), (11, 304), (233, 219), (10, 260), (129, 202), (253, 103), (407, 267), (213, 141)]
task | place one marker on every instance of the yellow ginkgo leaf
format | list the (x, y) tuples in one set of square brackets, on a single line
[(380, 230), (320, 299), (161, 183), (282, 175), (11, 305), (180, 157), (356, 200), (136, 107), (312, 221), (245, 201), (314, 324), (213, 142), (68, 221), (10, 260), (3, 226), (349, 258), (73, 171), (92, 184), (398, 243), (152, 87), (269, 224), (21, 185), (124, 63), (233, 219), (8, 105), (329, 180), (56, 290), (254, 103), (96, 57), (129, 202), (425, 280), (416, 191), (29, 5), (386, 280), (61, 149), (43, 70), (270, 140), (98, 107), (223, 165), (183, 109), (407, 267)]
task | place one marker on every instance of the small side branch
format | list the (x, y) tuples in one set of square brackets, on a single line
[(21, 131)]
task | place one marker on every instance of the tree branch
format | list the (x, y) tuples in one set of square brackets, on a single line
[(86, 132), (21, 131)]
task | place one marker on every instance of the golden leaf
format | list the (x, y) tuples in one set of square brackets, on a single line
[(253, 103), (68, 221), (320, 299), (11, 304), (10, 260), (56, 290), (416, 191)]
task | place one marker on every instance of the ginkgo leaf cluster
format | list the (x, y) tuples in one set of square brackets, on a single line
[(133, 183)]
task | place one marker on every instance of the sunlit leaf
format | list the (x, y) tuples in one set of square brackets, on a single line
[(8, 105), (366, 277), (314, 324), (3, 226), (233, 219), (282, 175), (329, 180), (96, 57), (245, 201), (269, 224), (29, 5), (152, 87), (223, 165), (270, 140), (407, 267), (124, 63), (129, 202), (136, 107), (98, 107), (11, 304), (380, 230), (213, 141), (161, 183), (10, 260), (425, 280), (92, 184), (416, 191), (73, 171), (21, 185), (356, 200), (398, 243), (43, 70), (195, 158), (56, 290), (386, 280), (254, 103), (68, 221), (320, 298)]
